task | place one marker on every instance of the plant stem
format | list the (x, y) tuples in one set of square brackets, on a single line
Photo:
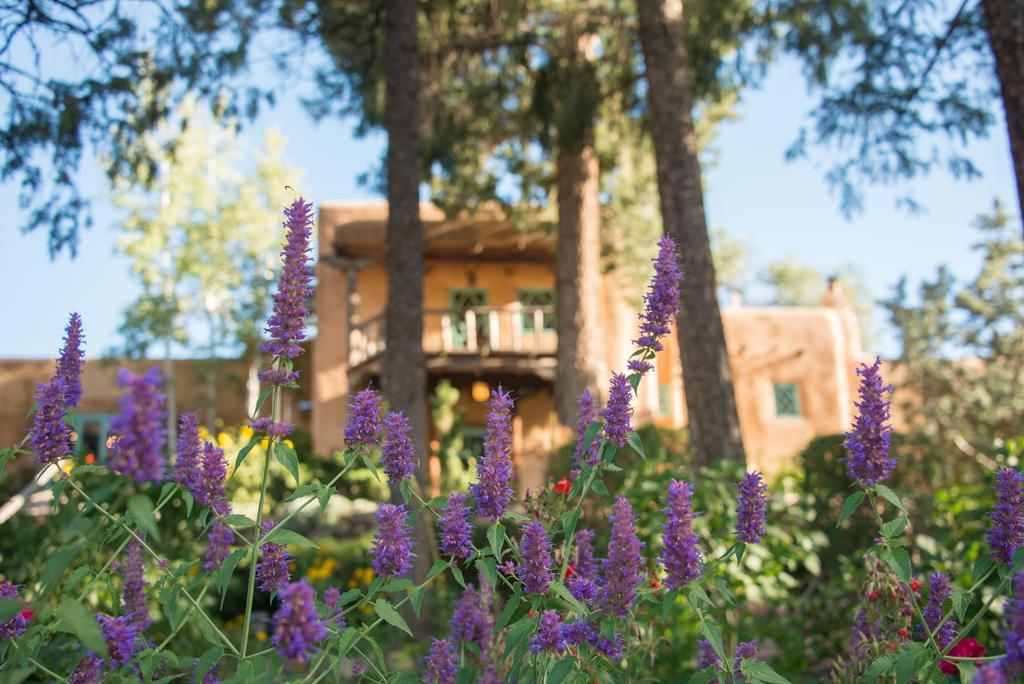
[(311, 499), (275, 410), (39, 664), (967, 628), (184, 619)]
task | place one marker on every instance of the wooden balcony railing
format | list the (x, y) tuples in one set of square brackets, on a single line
[(514, 329)]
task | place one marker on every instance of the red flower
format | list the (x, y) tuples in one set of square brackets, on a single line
[(655, 584), (915, 584), (903, 634), (965, 648), (28, 614), (570, 570), (563, 486)]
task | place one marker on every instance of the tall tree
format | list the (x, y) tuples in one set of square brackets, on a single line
[(711, 405), (405, 376)]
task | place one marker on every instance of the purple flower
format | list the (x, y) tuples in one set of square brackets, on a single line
[(1007, 532), (586, 566), (218, 546), (550, 636), (398, 455), (535, 571), (278, 376), (582, 589), (297, 625), (188, 465), (71, 361), (939, 592), (456, 537), (869, 440), (991, 674), (492, 493), (441, 663), (133, 596), (287, 324), (681, 556), (746, 650), (623, 569), (617, 412), (1013, 634), (750, 505), (121, 637), (50, 437), (706, 656), (472, 621), (587, 417), (87, 671), (210, 490), (272, 429), (392, 546), (139, 428), (364, 424), (661, 302), (15, 625), (861, 636), (272, 570), (639, 366), (332, 597)]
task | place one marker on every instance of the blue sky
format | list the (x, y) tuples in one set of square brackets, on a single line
[(775, 208)]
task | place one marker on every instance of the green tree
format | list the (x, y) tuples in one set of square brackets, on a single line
[(198, 234), (962, 347)]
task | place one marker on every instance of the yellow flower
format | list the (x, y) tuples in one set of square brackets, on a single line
[(261, 635), (289, 443), (222, 440), (245, 432)]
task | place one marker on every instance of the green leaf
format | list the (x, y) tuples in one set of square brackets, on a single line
[(882, 665), (264, 394), (982, 566), (207, 631), (599, 487), (967, 671), (370, 465), (56, 563), (489, 567), (207, 660), (713, 634), (284, 536), (83, 624), (703, 677), (961, 602), (397, 585), (496, 537), (141, 510), (762, 671), (388, 614), (227, 568), (566, 595), (518, 632), (560, 671), (507, 613), (699, 598), (890, 496), (349, 596), (240, 522), (287, 457), (305, 489), (569, 519), (638, 446), (325, 497), (244, 451), (457, 574), (9, 608), (416, 599), (895, 527), (899, 561), (435, 569), (850, 505), (5, 456), (722, 585), (908, 661), (17, 676), (347, 641), (405, 487)]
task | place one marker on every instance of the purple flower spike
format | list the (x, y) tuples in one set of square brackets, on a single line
[(286, 325), (586, 566), (1007, 532), (472, 622), (618, 412), (583, 589), (15, 625), (442, 667), (661, 302), (745, 650), (991, 674), (535, 549), (272, 570), (392, 546), (398, 455), (492, 493), (587, 417), (681, 556), (50, 437), (456, 537), (1013, 633), (297, 625), (939, 592), (218, 546), (87, 671), (139, 428), (364, 424), (121, 637), (623, 569), (331, 597), (869, 441), (278, 376), (706, 656), (210, 491), (71, 361), (550, 636), (750, 505), (133, 596), (188, 465)]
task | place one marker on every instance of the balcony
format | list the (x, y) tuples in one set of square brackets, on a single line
[(514, 339)]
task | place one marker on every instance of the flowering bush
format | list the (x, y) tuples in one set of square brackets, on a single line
[(539, 600)]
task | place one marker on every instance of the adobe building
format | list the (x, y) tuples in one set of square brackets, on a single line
[(489, 319)]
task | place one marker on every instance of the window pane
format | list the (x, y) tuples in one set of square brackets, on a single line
[(787, 400), (534, 297)]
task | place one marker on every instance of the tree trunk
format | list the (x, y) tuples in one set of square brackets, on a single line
[(404, 371), (579, 353), (710, 402), (1004, 20)]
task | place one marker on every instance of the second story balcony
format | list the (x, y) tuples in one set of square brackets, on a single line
[(510, 338)]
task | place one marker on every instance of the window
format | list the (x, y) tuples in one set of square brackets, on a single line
[(91, 436), (787, 400), (473, 442), (534, 297), (461, 300), (664, 399)]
